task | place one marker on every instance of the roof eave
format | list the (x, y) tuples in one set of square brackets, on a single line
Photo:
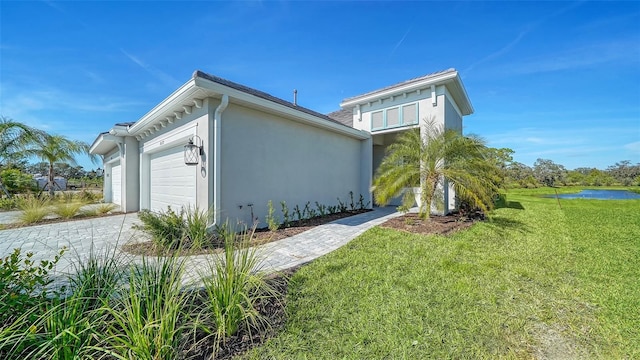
[(176, 98), (102, 145), (450, 77)]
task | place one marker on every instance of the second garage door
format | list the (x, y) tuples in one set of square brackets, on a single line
[(172, 182), (116, 183)]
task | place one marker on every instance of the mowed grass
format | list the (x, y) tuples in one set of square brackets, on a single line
[(535, 282)]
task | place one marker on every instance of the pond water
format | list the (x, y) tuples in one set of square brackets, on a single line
[(601, 195)]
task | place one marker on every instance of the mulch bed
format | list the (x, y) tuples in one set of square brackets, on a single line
[(435, 225), (260, 236)]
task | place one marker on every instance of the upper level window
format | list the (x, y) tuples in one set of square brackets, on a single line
[(394, 117)]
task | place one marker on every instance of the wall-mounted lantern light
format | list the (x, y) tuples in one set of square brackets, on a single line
[(193, 150), (99, 172)]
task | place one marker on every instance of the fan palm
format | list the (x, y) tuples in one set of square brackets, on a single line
[(427, 159), (55, 149), (14, 136)]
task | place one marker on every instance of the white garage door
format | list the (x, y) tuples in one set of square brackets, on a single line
[(172, 182), (116, 183)]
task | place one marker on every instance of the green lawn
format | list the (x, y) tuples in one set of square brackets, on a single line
[(536, 281)]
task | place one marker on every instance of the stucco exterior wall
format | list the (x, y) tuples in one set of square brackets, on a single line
[(452, 120), (265, 157), (452, 117)]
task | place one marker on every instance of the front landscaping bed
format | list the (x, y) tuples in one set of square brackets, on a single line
[(259, 237), (435, 225)]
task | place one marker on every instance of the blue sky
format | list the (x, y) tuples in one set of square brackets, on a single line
[(552, 80)]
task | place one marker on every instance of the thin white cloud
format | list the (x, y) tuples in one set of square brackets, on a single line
[(156, 73), (498, 53), (623, 51), (20, 104), (528, 29), (634, 146), (399, 42)]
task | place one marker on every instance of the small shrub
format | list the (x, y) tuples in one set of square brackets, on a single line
[(23, 284), (286, 218), (15, 181), (172, 230), (272, 220), (342, 206), (361, 204), (322, 209), (351, 203), (306, 212), (166, 227), (298, 212), (34, 209), (403, 209), (8, 203)]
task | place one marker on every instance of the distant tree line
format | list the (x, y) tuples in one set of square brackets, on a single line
[(545, 172)]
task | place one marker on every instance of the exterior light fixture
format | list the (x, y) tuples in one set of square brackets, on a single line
[(193, 150), (99, 172)]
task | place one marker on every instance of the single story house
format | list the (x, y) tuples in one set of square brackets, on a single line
[(218, 144)]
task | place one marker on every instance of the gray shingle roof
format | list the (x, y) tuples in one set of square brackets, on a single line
[(125, 123), (344, 116), (261, 94), (424, 77)]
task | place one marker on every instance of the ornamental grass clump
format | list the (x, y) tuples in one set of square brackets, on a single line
[(166, 227), (148, 320), (233, 287), (186, 230), (69, 208), (102, 209), (33, 209), (196, 228)]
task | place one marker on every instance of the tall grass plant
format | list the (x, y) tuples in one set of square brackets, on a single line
[(33, 209), (234, 285)]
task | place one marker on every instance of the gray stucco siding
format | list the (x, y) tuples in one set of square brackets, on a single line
[(265, 157), (452, 119)]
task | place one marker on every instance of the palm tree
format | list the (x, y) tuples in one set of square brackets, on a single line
[(55, 149), (427, 159), (14, 136)]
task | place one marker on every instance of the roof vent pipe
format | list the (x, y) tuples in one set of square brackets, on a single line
[(295, 97)]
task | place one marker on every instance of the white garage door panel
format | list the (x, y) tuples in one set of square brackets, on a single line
[(172, 182), (116, 184)]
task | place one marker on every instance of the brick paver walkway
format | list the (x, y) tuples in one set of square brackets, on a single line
[(110, 232)]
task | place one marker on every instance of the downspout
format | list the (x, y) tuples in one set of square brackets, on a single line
[(217, 132)]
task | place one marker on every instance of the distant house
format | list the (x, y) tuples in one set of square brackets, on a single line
[(251, 147)]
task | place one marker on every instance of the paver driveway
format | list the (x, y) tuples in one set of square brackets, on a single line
[(108, 233)]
